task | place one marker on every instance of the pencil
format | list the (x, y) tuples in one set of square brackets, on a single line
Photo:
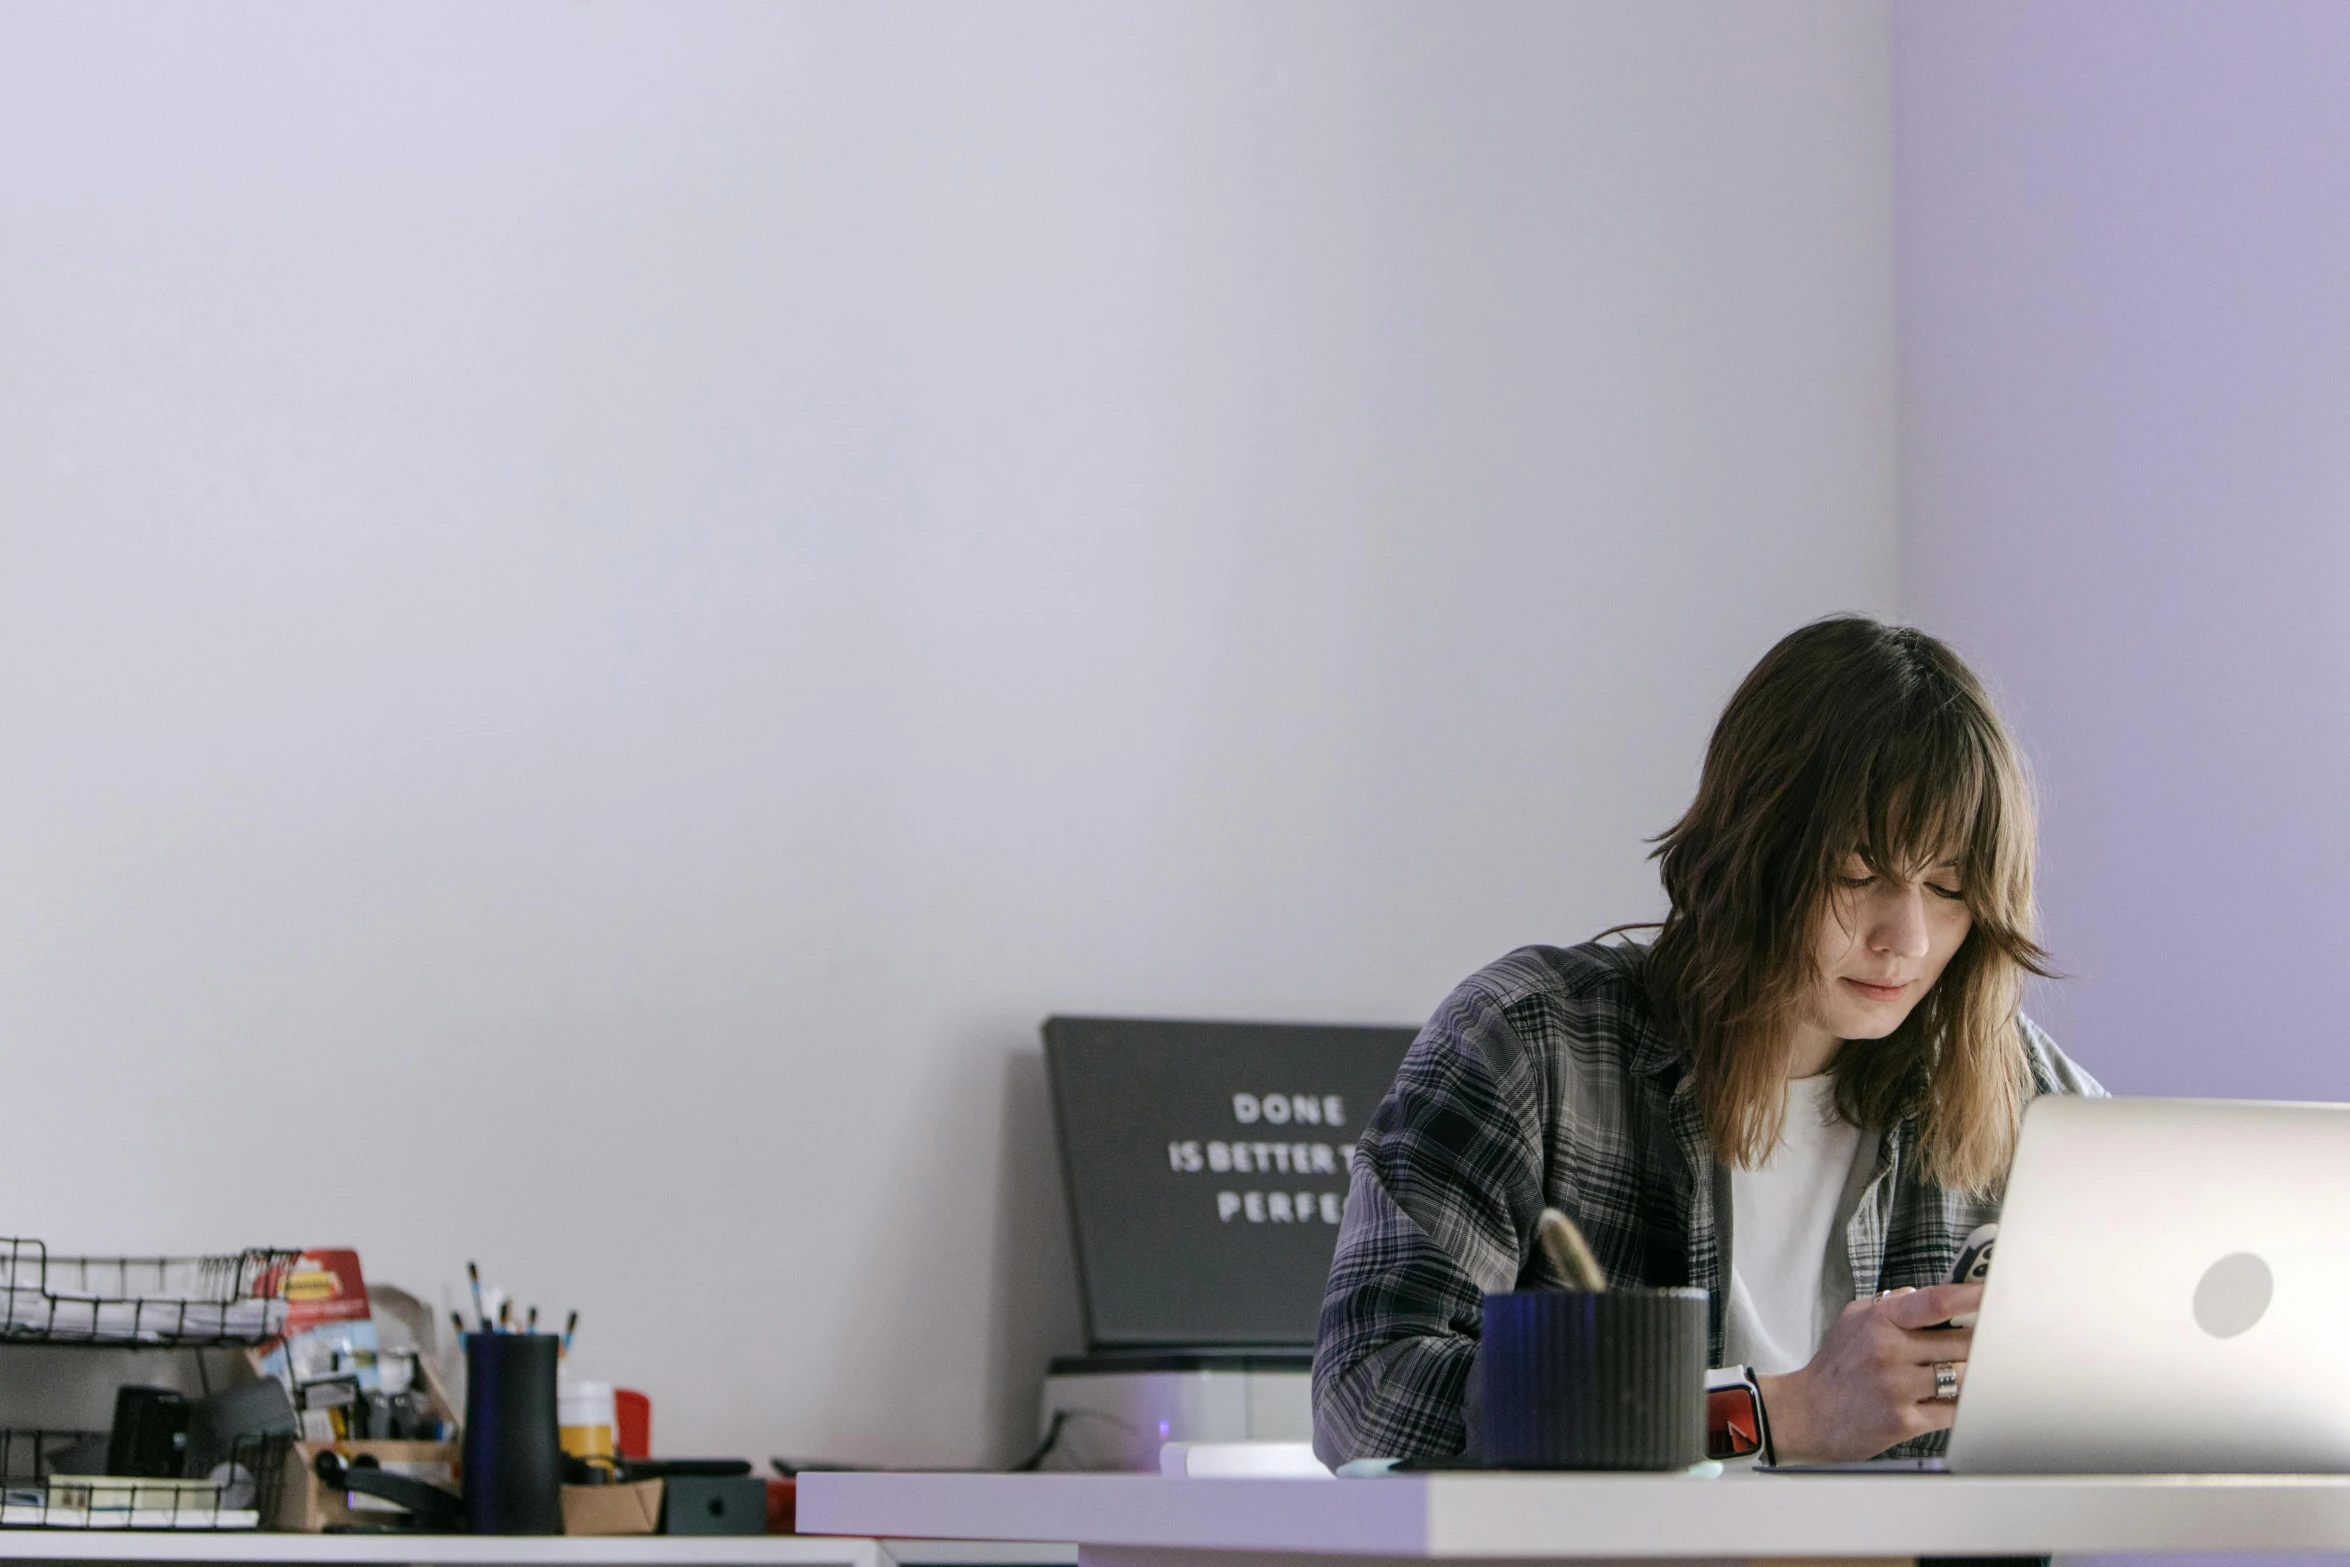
[(473, 1277), (1569, 1252)]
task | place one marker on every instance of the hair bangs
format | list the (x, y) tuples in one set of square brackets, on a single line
[(1926, 795)]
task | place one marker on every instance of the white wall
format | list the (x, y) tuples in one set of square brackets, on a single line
[(601, 607)]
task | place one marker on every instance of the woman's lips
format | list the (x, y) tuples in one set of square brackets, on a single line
[(1878, 992)]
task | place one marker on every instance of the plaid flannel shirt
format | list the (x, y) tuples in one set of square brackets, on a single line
[(1543, 1080)]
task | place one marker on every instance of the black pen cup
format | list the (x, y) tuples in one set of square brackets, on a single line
[(1575, 1380), (513, 1458)]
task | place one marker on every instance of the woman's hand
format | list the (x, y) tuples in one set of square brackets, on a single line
[(1872, 1383)]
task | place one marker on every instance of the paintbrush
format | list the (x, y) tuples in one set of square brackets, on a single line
[(1569, 1253)]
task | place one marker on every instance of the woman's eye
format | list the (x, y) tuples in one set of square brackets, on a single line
[(1854, 883), (1952, 893)]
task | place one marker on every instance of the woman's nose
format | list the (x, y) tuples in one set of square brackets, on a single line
[(1899, 923)]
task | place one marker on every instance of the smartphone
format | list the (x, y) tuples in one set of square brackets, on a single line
[(1973, 1266)]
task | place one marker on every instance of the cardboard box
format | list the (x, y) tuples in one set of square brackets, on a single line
[(306, 1506), (612, 1509)]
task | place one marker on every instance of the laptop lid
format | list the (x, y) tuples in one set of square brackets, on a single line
[(1206, 1166), (2168, 1294)]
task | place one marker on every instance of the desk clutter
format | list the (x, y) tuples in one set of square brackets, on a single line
[(343, 1408)]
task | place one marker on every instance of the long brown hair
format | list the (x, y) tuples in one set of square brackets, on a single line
[(1852, 737)]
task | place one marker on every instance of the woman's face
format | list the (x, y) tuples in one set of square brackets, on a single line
[(1881, 944)]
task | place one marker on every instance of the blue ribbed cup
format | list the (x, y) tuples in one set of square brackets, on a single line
[(1582, 1381)]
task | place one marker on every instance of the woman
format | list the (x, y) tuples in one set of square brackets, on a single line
[(1800, 1097)]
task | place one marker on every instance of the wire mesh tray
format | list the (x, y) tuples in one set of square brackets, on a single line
[(41, 1492), (174, 1302)]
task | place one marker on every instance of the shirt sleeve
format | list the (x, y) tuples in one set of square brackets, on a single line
[(2053, 1072), (1446, 1185)]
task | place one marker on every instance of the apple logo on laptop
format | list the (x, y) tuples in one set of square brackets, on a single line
[(2233, 1295)]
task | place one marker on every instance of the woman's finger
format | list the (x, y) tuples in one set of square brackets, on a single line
[(1922, 1384), (1931, 1415), (1923, 1308), (1927, 1345)]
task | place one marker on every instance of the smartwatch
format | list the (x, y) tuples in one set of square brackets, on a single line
[(1736, 1424)]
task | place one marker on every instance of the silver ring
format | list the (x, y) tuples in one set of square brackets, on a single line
[(1946, 1379)]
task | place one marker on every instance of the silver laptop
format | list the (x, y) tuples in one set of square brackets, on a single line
[(2171, 1294)]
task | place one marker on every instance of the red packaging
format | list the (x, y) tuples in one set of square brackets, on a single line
[(632, 1415), (783, 1506)]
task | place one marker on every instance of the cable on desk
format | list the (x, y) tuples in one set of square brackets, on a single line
[(1052, 1436)]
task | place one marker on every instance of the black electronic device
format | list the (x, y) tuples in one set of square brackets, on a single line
[(1206, 1166), (714, 1504), (1973, 1266), (1974, 1256), (149, 1438)]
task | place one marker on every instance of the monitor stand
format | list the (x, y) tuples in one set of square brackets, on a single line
[(1116, 1408)]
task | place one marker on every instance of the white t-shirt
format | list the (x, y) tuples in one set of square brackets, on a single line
[(1782, 1217)]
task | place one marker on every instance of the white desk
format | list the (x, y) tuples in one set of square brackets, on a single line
[(1146, 1521), (446, 1550)]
